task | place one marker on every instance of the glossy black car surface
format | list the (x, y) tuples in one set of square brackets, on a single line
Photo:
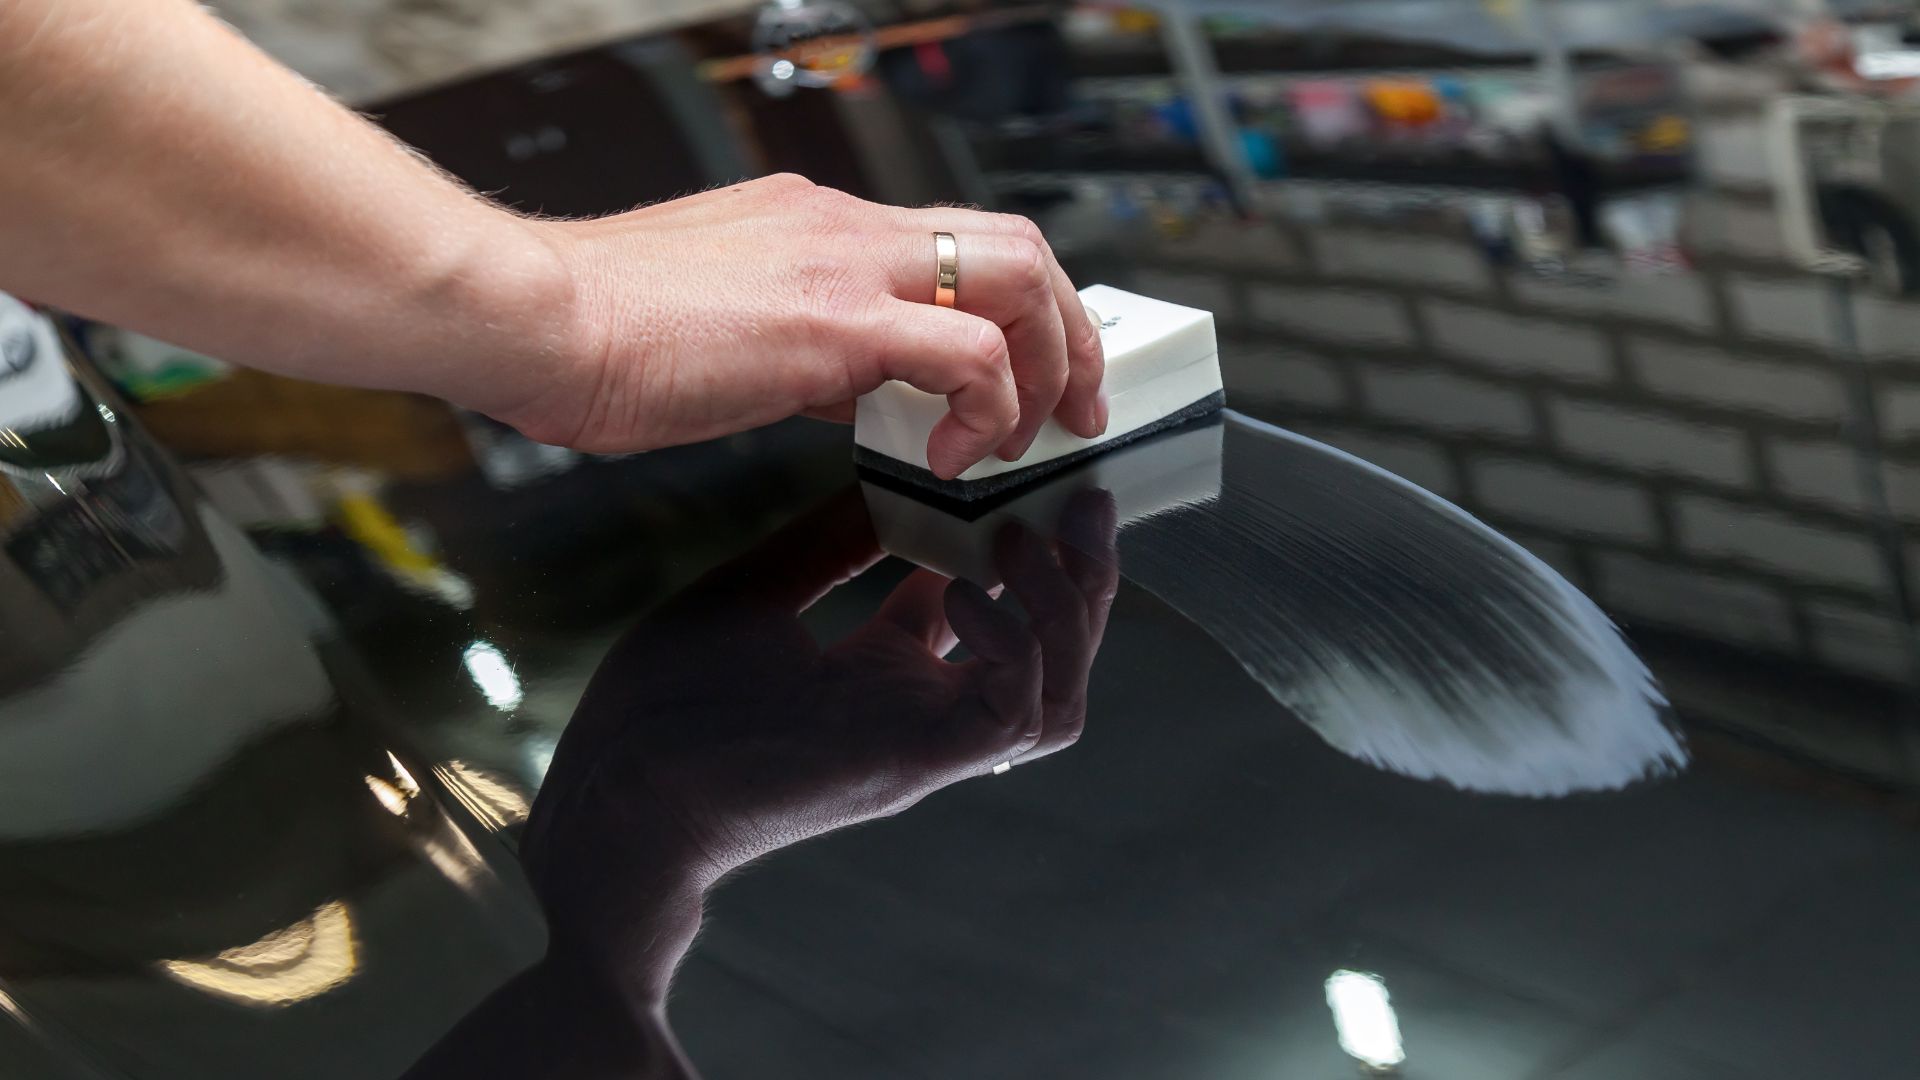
[(297, 778)]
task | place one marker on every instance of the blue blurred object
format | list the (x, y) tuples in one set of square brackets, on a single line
[(1265, 156), (1179, 119)]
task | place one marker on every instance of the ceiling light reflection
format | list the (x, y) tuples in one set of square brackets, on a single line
[(490, 672), (1364, 1018)]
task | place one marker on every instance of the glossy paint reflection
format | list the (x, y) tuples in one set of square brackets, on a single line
[(719, 730), (202, 809), (1401, 629)]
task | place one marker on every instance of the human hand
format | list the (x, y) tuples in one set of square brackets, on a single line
[(719, 730), (743, 305)]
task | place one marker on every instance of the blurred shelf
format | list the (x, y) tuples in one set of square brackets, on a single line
[(1515, 177), (1061, 181), (1395, 192), (1079, 152)]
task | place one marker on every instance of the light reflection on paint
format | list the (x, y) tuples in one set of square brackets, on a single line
[(1364, 1019), (390, 798), (1407, 634), (303, 961), (454, 856), (539, 751), (494, 802), (489, 669), (403, 779)]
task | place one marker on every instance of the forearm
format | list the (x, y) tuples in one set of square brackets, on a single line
[(595, 1007), (163, 174)]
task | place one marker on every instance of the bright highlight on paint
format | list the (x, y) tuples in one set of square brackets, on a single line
[(493, 675), (494, 802), (391, 798), (1363, 1016), (303, 961), (1405, 632)]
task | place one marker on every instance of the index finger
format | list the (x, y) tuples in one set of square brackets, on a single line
[(963, 358)]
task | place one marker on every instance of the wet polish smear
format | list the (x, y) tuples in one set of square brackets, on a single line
[(1406, 633)]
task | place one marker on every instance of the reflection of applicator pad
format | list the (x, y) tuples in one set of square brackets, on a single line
[(1158, 475), (1163, 368)]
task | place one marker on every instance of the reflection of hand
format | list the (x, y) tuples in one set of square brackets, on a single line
[(747, 304), (719, 730)]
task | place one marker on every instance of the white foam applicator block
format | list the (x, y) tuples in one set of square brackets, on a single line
[(1157, 475), (1163, 365)]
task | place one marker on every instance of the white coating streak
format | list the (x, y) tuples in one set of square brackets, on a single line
[(1406, 633)]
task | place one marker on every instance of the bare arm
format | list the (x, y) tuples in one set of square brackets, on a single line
[(163, 174), (159, 172)]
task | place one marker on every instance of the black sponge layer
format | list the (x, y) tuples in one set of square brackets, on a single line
[(988, 487)]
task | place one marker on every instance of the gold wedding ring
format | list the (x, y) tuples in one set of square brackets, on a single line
[(946, 256)]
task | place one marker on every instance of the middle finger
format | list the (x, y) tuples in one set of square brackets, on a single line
[(1003, 279)]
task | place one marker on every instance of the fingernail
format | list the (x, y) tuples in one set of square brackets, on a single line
[(1101, 408)]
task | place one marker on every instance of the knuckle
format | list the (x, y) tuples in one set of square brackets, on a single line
[(1031, 651), (1032, 264), (1072, 734), (988, 350), (839, 205), (1021, 227), (787, 181)]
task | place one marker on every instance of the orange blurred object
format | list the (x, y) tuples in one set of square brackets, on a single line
[(1413, 104)]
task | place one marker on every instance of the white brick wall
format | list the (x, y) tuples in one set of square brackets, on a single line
[(1635, 588), (1554, 553), (1563, 501), (1354, 316), (1445, 401), (1825, 473), (1419, 460), (1718, 225), (1412, 260), (1281, 373), (1889, 327), (1208, 292), (1792, 310), (1653, 442), (1237, 243), (1676, 299), (1859, 640), (1752, 384), (1822, 472), (1773, 541), (1903, 489), (1518, 344), (1898, 410)]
